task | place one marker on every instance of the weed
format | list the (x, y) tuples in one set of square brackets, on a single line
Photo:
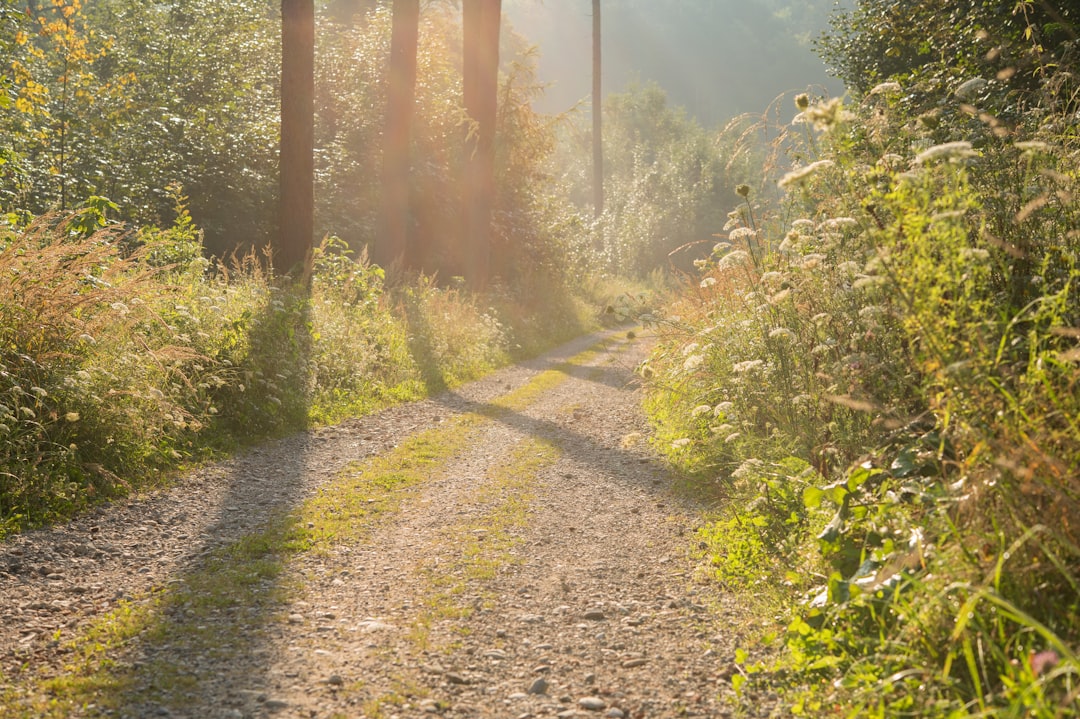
[(877, 376)]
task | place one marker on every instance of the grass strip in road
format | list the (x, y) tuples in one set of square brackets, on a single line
[(482, 547), (137, 653)]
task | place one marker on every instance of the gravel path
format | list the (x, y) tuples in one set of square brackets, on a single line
[(544, 571)]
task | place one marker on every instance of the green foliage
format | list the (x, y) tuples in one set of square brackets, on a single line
[(124, 355), (663, 182), (935, 47), (904, 321)]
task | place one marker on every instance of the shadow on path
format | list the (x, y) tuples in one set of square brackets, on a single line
[(209, 633)]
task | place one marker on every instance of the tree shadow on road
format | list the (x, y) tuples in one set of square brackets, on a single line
[(207, 640)]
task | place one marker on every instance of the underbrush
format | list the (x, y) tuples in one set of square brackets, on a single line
[(125, 355), (876, 378)]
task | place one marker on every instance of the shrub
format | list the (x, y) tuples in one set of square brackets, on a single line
[(912, 338)]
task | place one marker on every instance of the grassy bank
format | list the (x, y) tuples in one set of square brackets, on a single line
[(876, 376), (125, 355)]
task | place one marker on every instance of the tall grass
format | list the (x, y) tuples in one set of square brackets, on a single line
[(125, 355), (878, 372)]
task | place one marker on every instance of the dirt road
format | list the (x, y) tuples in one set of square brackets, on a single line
[(511, 549)]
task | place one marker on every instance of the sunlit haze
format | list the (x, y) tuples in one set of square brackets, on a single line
[(717, 58)]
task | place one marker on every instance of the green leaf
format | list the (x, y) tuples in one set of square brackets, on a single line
[(831, 533), (837, 492), (812, 497), (860, 475), (737, 681), (741, 656), (839, 589), (905, 464)]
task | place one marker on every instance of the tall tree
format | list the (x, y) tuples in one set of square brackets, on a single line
[(395, 243), (597, 111), (481, 21), (297, 166)]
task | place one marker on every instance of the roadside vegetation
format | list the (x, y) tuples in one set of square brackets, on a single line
[(876, 374), (141, 329), (127, 355)]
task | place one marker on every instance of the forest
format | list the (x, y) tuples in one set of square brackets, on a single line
[(222, 223)]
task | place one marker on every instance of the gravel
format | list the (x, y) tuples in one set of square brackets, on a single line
[(587, 603)]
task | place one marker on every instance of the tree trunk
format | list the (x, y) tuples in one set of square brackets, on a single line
[(395, 245), (297, 165), (481, 24), (597, 111)]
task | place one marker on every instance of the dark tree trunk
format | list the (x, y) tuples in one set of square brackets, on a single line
[(395, 245), (597, 112), (297, 166), (481, 24)]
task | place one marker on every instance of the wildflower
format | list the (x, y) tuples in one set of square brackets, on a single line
[(700, 410), (681, 443), (72, 416), (724, 429), (884, 87), (693, 362), (742, 233), (812, 260), (39, 391), (946, 151), (1033, 146), (733, 259), (802, 226), (747, 366), (871, 311), (735, 217), (732, 437), (839, 223), (1042, 662), (781, 333), (87, 339), (771, 278), (708, 282), (802, 101), (27, 412), (801, 173), (723, 407), (120, 307), (742, 190), (750, 466), (156, 393), (779, 297), (826, 115), (970, 87), (867, 281)]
